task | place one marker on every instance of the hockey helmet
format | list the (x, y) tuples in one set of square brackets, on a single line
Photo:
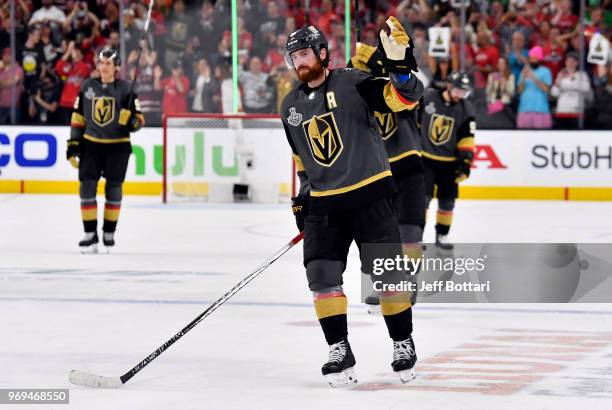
[(461, 81), (110, 53), (306, 37)]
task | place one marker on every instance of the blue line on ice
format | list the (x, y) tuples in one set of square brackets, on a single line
[(300, 305)]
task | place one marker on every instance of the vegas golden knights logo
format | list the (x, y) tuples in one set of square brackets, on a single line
[(103, 110), (387, 124), (440, 129), (323, 139)]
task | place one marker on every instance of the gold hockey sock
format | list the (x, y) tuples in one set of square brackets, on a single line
[(397, 312), (89, 214), (444, 219), (331, 308), (111, 216)]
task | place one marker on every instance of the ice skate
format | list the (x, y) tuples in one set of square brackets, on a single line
[(108, 238), (89, 244), (339, 368), (442, 242), (404, 359)]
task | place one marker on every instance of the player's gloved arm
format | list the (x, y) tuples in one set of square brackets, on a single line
[(132, 117), (77, 129), (397, 49), (390, 94), (465, 149), (401, 90)]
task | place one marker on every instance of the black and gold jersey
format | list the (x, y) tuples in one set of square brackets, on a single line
[(97, 110), (334, 135), (446, 127), (400, 133), (398, 130)]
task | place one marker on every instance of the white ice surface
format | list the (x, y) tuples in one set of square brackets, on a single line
[(61, 310)]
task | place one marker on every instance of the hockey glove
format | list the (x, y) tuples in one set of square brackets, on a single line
[(397, 49), (128, 119), (299, 206), (464, 163), (368, 59), (73, 151)]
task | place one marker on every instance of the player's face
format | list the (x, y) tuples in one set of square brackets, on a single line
[(106, 67), (307, 65), (457, 94)]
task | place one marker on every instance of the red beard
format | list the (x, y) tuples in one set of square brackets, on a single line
[(308, 74)]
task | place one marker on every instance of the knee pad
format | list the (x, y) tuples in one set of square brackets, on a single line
[(88, 188), (114, 191), (411, 233), (446, 204), (324, 274)]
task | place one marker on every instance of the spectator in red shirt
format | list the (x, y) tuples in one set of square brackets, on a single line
[(11, 76), (72, 70), (564, 19), (554, 52), (496, 15), (325, 17), (486, 58), (176, 89), (275, 56)]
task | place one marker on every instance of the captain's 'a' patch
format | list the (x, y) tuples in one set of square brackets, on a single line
[(323, 139)]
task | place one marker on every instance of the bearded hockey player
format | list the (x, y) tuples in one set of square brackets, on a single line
[(448, 126), (99, 146), (401, 136), (346, 181)]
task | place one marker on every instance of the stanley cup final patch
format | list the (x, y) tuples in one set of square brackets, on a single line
[(294, 118)]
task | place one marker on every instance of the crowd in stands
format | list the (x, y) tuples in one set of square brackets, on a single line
[(523, 55)]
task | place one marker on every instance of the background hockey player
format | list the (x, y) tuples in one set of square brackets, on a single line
[(346, 181), (447, 126), (99, 146), (401, 136)]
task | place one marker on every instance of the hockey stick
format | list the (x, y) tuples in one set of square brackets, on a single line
[(91, 380), (142, 40)]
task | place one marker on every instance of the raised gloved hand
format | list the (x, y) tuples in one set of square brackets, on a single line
[(73, 151), (299, 206), (397, 48)]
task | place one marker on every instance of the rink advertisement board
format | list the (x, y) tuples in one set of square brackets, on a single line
[(508, 164)]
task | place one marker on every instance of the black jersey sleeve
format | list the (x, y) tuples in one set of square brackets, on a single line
[(388, 94), (77, 120), (466, 132), (299, 166)]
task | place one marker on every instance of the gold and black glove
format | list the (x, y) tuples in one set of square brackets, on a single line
[(73, 152), (299, 206), (397, 48), (128, 119), (464, 164)]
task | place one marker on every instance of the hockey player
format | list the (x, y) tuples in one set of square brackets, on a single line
[(346, 181), (448, 126), (99, 145), (401, 136)]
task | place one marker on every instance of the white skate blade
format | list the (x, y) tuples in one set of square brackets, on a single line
[(374, 310), (86, 250), (92, 380), (343, 379), (406, 375)]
